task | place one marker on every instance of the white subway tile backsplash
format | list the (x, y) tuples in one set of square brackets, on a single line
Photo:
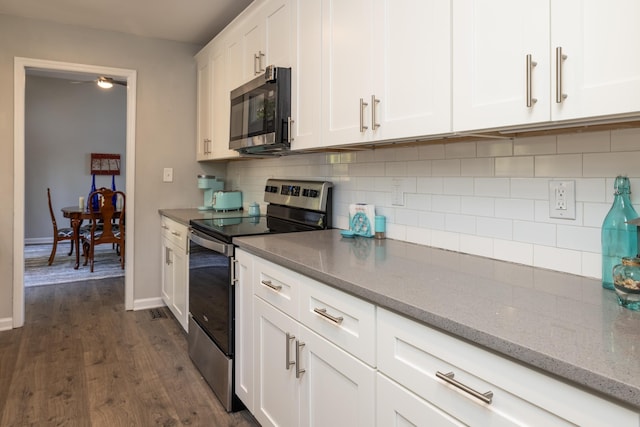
[(534, 232), (579, 238), (477, 167), (591, 142), (611, 164), (479, 206), (494, 227), (460, 150), (487, 197), (515, 209), (562, 165), (557, 259), (446, 204), (514, 166), (535, 145), (495, 148), (465, 224), (458, 186), (492, 187), (530, 188), (449, 167)]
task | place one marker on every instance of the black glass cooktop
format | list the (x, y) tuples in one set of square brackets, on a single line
[(227, 228)]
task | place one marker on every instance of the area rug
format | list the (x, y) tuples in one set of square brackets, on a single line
[(37, 272)]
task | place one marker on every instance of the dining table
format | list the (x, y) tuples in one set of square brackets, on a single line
[(77, 215)]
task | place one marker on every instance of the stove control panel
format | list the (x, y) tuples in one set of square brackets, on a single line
[(300, 194)]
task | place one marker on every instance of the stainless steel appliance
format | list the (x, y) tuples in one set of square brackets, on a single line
[(293, 205), (261, 114)]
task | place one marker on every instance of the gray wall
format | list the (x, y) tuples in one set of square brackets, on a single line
[(64, 124), (165, 130)]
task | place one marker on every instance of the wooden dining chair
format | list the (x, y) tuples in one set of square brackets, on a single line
[(59, 234), (107, 224)]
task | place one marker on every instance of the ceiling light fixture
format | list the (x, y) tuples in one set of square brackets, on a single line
[(105, 82)]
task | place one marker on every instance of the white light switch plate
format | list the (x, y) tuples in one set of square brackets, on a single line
[(167, 175), (562, 199)]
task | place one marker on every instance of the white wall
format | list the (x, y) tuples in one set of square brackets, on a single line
[(165, 131), (488, 198), (64, 124)]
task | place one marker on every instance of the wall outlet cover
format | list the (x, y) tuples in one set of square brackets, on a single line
[(562, 199)]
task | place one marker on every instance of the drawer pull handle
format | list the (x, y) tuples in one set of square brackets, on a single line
[(485, 397), (323, 312), (299, 371), (288, 350), (268, 284), (175, 233)]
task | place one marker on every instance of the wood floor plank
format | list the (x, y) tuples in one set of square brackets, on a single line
[(82, 360)]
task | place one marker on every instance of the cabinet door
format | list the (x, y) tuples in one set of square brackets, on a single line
[(167, 272), (601, 74), (244, 328), (204, 108), (336, 388), (180, 286), (278, 22), (412, 68), (306, 74), (253, 46), (347, 70), (220, 105), (491, 41), (397, 406), (276, 387)]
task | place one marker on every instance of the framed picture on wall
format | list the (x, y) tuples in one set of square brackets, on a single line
[(105, 164)]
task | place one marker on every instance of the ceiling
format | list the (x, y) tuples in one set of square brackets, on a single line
[(190, 21)]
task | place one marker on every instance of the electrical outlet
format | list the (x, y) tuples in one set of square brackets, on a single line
[(167, 175), (562, 199)]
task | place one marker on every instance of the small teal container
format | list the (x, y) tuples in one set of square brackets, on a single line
[(380, 226)]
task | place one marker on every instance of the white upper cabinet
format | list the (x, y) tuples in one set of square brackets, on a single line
[(204, 117), (519, 63), (385, 70), (491, 43), (601, 73), (220, 104)]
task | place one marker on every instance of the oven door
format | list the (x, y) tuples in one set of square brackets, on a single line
[(211, 298)]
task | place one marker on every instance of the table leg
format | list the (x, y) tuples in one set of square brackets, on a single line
[(75, 224)]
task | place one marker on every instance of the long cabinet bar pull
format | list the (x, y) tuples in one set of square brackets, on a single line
[(362, 105), (255, 62), (299, 371), (323, 312), (560, 57), (234, 273), (261, 69), (374, 102), (290, 122), (288, 361), (268, 284), (448, 377), (530, 64)]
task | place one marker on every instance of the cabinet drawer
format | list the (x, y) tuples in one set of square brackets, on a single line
[(345, 320), (175, 232), (278, 286), (411, 354)]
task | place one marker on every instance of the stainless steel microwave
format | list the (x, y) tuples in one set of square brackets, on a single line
[(261, 114)]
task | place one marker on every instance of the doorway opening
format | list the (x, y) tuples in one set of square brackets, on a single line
[(21, 67)]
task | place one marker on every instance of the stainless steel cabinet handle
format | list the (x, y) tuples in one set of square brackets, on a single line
[(290, 122), (255, 61), (234, 274), (167, 255), (559, 60), (165, 227), (323, 312), (261, 69), (448, 377), (270, 285), (288, 361), (299, 371), (175, 233), (362, 105), (374, 103), (530, 64)]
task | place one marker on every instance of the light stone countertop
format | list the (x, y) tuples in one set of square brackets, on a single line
[(562, 324)]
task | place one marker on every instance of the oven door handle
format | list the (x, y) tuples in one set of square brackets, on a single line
[(210, 243)]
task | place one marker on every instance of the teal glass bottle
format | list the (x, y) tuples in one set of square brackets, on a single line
[(619, 238)]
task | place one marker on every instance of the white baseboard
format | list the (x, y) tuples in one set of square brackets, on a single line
[(6, 324), (146, 303)]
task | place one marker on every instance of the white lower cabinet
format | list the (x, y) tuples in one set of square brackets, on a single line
[(303, 379), (175, 269), (243, 330)]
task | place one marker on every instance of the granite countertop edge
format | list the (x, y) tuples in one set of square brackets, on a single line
[(594, 382)]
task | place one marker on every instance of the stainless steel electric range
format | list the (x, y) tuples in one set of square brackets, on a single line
[(293, 206)]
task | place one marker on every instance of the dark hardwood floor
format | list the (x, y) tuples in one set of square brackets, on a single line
[(81, 360)]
